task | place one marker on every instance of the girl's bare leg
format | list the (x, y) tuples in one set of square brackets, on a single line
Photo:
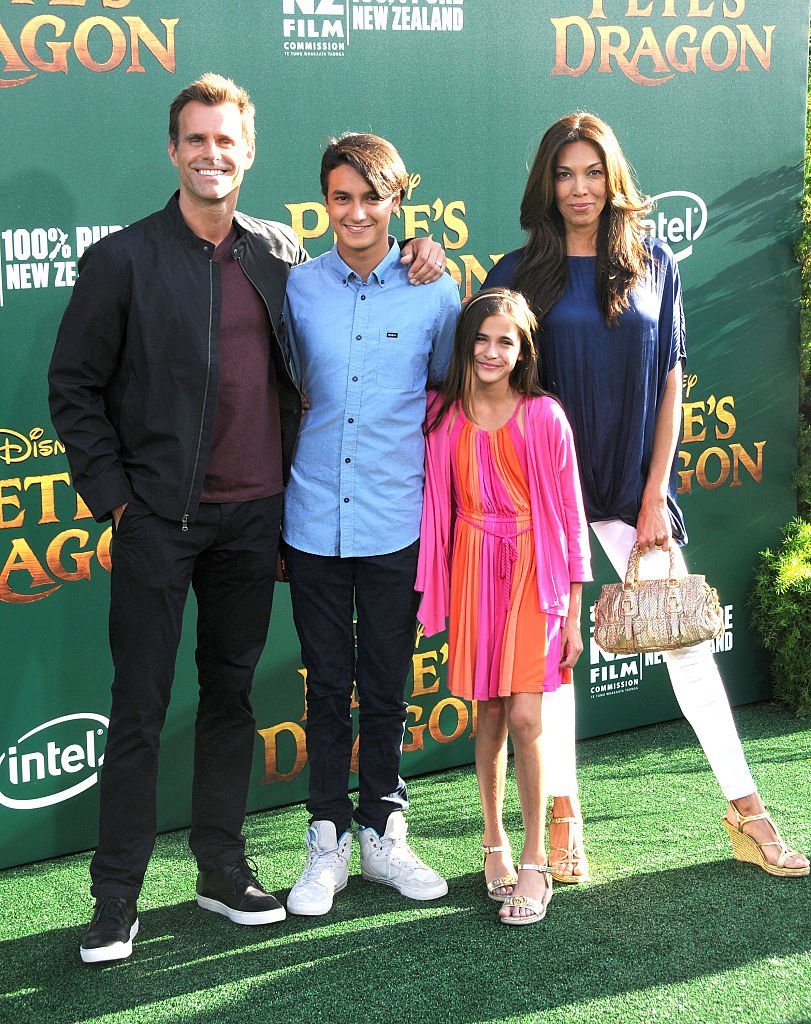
[(524, 724), (491, 773)]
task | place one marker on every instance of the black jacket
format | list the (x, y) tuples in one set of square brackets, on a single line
[(133, 378)]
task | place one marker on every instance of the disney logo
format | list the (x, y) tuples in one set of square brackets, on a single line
[(17, 447)]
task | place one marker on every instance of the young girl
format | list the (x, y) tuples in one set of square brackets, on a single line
[(503, 553)]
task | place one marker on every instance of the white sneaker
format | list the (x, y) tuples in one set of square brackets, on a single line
[(325, 872), (390, 860)]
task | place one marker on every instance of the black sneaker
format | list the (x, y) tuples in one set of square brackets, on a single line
[(235, 892), (112, 928)]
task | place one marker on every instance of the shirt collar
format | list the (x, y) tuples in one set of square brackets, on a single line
[(382, 271)]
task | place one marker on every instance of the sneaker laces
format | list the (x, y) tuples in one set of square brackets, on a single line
[(400, 852), (314, 855), (248, 868)]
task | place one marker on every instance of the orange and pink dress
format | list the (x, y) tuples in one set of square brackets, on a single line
[(503, 535)]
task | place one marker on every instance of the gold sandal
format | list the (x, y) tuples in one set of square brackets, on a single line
[(572, 854), (537, 907), (504, 880), (746, 849)]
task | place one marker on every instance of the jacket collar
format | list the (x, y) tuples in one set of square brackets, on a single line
[(185, 233)]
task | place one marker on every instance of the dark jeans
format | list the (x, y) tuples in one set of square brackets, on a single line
[(325, 591), (228, 555)]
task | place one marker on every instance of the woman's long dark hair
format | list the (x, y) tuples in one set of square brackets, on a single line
[(621, 255), (461, 380)]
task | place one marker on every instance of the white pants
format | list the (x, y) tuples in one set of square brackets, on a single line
[(693, 676)]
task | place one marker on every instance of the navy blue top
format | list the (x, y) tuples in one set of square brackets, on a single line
[(611, 381)]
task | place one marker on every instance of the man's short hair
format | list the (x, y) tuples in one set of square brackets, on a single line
[(375, 160), (212, 90)]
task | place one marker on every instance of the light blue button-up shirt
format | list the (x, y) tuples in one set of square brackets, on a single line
[(363, 352)]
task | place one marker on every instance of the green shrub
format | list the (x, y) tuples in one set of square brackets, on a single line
[(781, 612)]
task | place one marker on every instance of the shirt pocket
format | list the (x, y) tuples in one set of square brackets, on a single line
[(402, 359)]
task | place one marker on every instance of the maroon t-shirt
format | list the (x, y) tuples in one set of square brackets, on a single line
[(245, 462)]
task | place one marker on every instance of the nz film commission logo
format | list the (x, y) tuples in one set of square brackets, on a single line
[(324, 28), (44, 257), (611, 675), (54, 762)]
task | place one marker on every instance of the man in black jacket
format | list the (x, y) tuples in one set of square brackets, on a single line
[(171, 392)]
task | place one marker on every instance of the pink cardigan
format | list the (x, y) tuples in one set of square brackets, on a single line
[(559, 527)]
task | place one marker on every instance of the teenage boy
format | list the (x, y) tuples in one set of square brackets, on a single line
[(364, 345)]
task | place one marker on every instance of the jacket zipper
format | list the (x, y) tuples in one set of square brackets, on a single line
[(185, 520), (285, 359)]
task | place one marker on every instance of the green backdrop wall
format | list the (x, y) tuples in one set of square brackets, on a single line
[(707, 98)]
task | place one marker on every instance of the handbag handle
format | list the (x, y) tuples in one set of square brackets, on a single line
[(632, 572)]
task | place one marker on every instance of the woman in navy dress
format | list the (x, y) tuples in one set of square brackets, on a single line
[(612, 345)]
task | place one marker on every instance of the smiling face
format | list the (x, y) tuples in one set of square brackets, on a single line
[(580, 187), (211, 154), (496, 351), (359, 218)]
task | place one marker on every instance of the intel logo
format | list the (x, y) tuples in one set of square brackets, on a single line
[(54, 762), (679, 218)]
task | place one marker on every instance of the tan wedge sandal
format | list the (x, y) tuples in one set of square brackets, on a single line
[(504, 880), (572, 854), (537, 908), (746, 849)]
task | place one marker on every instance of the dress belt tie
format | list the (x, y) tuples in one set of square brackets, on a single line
[(507, 549)]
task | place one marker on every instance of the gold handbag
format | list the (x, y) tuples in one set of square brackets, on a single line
[(655, 615)]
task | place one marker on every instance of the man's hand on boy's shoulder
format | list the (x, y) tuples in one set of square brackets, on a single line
[(426, 258)]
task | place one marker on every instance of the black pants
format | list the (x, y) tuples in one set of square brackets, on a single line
[(325, 592), (228, 555)]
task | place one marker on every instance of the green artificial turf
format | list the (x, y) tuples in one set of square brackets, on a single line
[(670, 929)]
